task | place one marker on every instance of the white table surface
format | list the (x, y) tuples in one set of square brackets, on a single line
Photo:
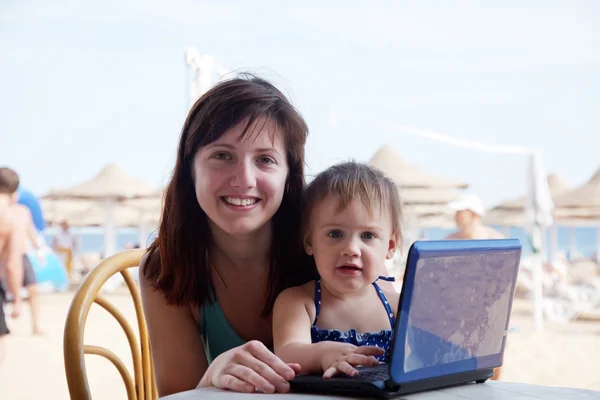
[(489, 390)]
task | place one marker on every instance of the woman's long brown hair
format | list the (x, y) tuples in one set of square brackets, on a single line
[(179, 260)]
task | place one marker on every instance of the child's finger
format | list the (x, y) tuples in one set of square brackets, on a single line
[(340, 367), (369, 350), (330, 372), (360, 359), (345, 368)]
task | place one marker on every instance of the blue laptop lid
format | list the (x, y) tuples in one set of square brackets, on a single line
[(454, 307)]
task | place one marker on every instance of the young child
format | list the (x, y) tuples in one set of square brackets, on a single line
[(346, 318)]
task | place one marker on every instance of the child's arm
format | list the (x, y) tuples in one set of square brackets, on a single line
[(291, 330), (292, 341)]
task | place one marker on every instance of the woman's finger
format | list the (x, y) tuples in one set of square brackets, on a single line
[(249, 376), (265, 371), (233, 383), (296, 367), (260, 351)]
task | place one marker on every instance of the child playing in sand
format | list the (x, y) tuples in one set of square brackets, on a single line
[(345, 318)]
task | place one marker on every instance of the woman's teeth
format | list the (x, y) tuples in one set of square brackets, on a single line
[(240, 202)]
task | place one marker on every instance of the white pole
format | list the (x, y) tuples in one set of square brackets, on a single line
[(110, 244), (538, 217), (538, 299), (204, 67), (572, 243), (553, 243)]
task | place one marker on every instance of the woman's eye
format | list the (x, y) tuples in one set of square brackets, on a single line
[(221, 156), (266, 160), (335, 234), (368, 235)]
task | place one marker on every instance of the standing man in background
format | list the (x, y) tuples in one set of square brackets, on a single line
[(469, 210)]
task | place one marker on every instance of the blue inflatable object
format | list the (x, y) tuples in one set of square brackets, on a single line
[(29, 200), (50, 273)]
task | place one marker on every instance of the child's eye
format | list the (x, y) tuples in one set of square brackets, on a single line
[(266, 160), (221, 155), (336, 234), (368, 235)]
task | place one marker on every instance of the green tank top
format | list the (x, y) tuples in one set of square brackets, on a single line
[(217, 334)]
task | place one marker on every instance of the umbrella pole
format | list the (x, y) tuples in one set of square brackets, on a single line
[(572, 243), (109, 228), (538, 298), (538, 211), (553, 243)]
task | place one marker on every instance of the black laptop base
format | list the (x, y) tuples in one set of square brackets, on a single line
[(354, 387)]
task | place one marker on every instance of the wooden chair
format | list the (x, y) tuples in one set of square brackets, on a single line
[(143, 386)]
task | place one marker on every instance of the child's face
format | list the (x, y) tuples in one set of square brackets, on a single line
[(349, 246)]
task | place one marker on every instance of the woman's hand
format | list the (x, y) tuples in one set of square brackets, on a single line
[(344, 360), (249, 368)]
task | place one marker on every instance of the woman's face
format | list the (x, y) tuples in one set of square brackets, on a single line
[(240, 182)]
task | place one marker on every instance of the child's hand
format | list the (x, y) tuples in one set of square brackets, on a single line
[(345, 360)]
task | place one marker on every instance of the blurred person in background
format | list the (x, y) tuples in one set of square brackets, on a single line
[(65, 245), (469, 210)]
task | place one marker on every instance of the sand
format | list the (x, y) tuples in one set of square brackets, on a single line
[(562, 355)]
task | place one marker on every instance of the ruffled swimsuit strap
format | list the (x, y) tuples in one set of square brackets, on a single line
[(388, 309), (317, 300)]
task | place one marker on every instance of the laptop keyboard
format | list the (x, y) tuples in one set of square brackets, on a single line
[(377, 373)]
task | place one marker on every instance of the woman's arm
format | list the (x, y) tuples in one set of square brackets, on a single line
[(177, 349)]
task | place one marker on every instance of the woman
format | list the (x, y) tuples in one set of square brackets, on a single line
[(228, 242)]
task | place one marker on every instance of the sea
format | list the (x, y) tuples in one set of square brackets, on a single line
[(580, 241)]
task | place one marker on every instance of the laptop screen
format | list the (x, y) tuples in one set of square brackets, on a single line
[(457, 315)]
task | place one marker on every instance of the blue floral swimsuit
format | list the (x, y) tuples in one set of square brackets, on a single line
[(382, 339)]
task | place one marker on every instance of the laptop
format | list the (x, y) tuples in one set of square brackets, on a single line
[(451, 324)]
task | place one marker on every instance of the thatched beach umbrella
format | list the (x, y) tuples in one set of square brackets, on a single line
[(587, 196), (410, 176), (425, 196), (583, 204), (110, 186), (512, 212), (56, 211)]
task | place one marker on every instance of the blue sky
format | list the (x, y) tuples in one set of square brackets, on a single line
[(88, 82)]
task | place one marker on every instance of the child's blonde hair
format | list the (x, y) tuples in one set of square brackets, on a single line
[(354, 180)]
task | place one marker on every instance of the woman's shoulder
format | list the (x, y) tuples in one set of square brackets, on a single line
[(154, 299)]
